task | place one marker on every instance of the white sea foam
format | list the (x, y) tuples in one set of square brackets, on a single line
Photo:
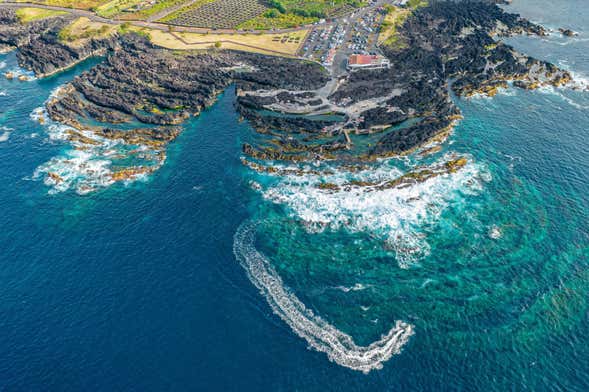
[(397, 215), (572, 41), (495, 232), (82, 168), (3, 93), (86, 166), (579, 82), (558, 93), (2, 64), (29, 76), (508, 91), (5, 133), (79, 170), (356, 287), (319, 334)]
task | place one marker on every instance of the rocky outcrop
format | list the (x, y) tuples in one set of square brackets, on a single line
[(138, 83), (40, 49), (446, 47), (567, 32), (446, 41)]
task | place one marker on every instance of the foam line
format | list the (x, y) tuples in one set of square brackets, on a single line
[(397, 216), (321, 336)]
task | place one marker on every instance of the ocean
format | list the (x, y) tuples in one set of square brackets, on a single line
[(209, 276)]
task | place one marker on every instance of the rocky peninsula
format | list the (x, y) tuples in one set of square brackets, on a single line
[(141, 94)]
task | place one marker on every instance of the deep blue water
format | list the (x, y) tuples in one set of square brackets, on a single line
[(136, 287)]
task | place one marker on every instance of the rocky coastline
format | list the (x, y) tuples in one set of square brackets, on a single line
[(141, 94)]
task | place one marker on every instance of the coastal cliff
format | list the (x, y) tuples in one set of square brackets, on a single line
[(299, 111)]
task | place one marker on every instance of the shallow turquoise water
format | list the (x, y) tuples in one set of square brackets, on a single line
[(136, 287)]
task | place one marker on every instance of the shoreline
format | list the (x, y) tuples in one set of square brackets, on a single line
[(163, 91)]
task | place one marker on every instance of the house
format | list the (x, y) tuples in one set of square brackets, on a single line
[(362, 61)]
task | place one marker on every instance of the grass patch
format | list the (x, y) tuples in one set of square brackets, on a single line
[(292, 13), (114, 7), (83, 29), (394, 18), (414, 4), (276, 20), (79, 4), (147, 12), (27, 15)]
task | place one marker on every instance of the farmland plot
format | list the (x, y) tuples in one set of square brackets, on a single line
[(220, 14)]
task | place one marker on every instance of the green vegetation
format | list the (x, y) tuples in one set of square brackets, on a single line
[(83, 29), (291, 13), (159, 7), (144, 11), (395, 17), (273, 19), (80, 4), (110, 9), (217, 14), (414, 4), (178, 13), (314, 8), (26, 15), (66, 35), (125, 28)]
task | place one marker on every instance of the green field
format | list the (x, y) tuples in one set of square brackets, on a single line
[(26, 15), (291, 13)]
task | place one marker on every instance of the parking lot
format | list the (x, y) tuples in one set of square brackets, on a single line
[(323, 42), (332, 42)]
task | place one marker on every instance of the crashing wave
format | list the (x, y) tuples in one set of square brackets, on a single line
[(397, 215), (82, 168), (22, 74), (319, 334), (92, 162), (557, 92)]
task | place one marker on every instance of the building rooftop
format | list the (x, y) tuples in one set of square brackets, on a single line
[(362, 59)]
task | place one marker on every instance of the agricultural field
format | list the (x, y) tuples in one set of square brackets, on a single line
[(121, 9), (30, 14), (217, 14), (114, 7), (80, 4), (152, 10), (81, 30)]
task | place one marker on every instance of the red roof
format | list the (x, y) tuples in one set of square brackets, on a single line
[(361, 59)]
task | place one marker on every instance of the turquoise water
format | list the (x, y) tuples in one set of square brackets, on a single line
[(136, 286)]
